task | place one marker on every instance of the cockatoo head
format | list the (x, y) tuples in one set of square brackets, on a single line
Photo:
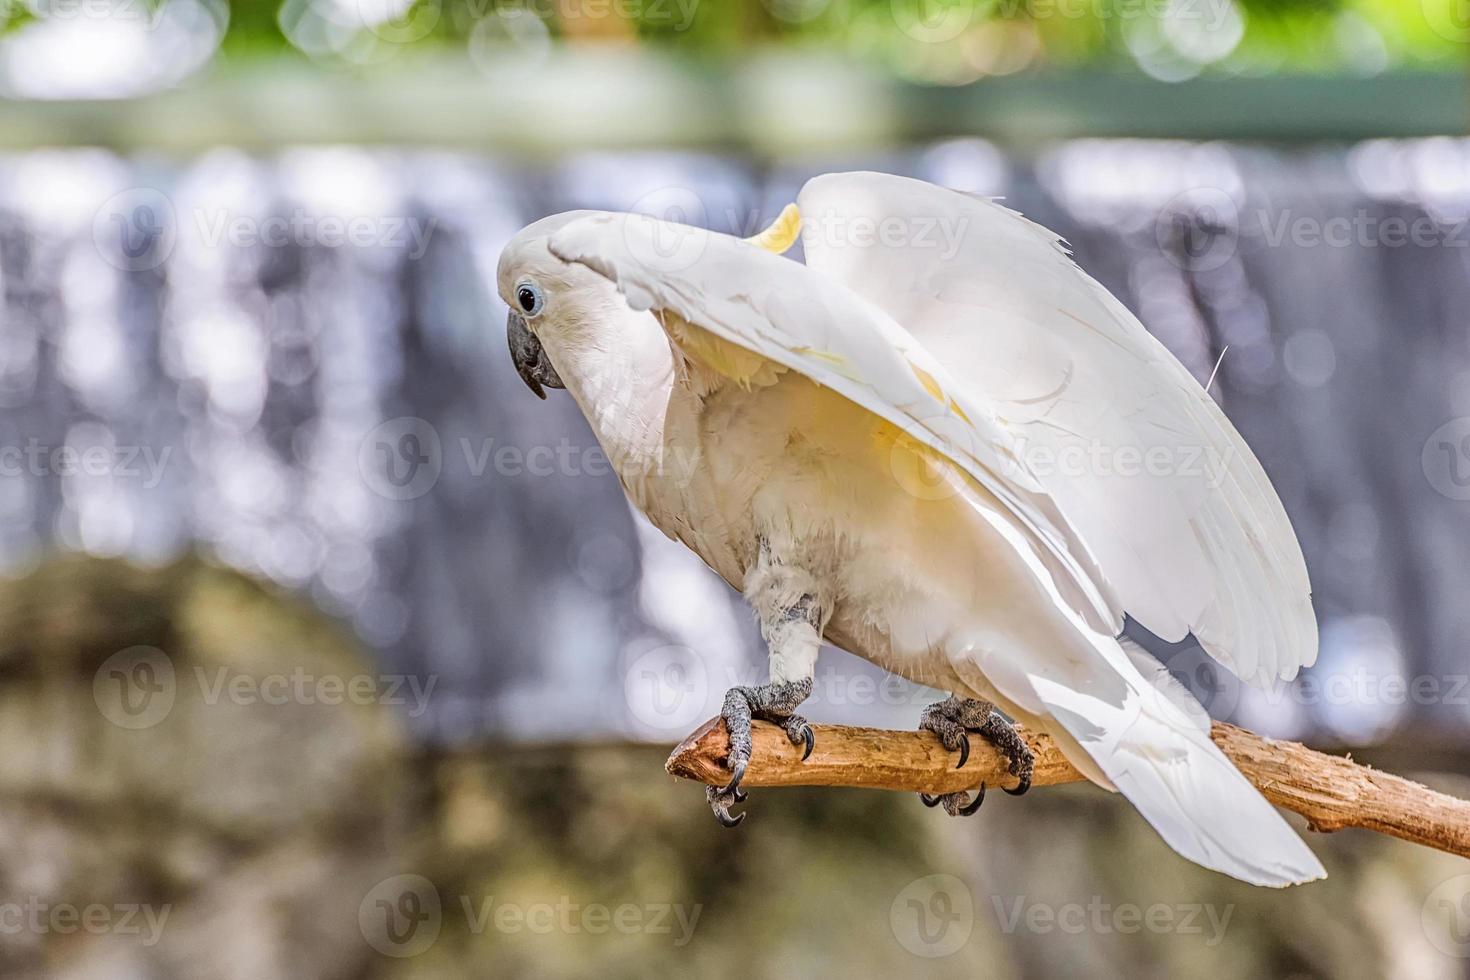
[(557, 308)]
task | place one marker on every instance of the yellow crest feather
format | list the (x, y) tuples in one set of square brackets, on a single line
[(782, 233)]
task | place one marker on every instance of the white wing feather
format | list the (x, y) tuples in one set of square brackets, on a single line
[(1196, 540)]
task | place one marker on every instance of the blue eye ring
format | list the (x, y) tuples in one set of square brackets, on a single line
[(529, 297)]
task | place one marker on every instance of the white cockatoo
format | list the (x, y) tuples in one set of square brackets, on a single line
[(940, 445)]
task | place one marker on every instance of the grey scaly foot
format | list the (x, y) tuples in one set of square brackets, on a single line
[(769, 702), (952, 720)]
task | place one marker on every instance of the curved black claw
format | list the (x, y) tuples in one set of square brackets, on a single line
[(720, 803), (733, 788), (741, 796), (955, 804), (799, 732), (1021, 787), (974, 804), (964, 750)]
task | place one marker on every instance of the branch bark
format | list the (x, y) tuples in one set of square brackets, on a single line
[(1331, 792)]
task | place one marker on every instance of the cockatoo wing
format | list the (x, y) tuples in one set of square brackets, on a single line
[(783, 312), (722, 297), (1148, 473)]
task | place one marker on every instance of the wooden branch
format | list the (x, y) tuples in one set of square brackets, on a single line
[(1331, 792)]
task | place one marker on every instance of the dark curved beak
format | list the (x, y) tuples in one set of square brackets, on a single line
[(529, 356)]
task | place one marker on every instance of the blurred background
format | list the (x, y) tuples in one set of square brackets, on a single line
[(326, 650)]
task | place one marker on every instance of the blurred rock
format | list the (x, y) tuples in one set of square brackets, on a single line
[(177, 767)]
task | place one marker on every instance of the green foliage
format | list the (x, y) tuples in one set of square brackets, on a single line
[(939, 40)]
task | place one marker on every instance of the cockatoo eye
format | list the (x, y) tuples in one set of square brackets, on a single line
[(529, 297)]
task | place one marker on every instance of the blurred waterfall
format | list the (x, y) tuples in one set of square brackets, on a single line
[(297, 366)]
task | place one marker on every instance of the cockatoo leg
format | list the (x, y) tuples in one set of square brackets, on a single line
[(952, 720), (788, 600)]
